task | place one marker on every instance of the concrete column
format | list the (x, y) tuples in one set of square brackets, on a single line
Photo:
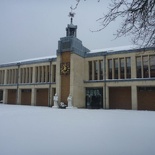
[(5, 96), (134, 97), (58, 84), (104, 96), (33, 97), (133, 67), (50, 97), (107, 98), (34, 75), (18, 96)]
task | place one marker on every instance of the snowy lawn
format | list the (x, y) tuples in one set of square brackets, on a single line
[(28, 130)]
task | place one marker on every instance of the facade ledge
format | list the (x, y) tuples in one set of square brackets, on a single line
[(25, 84), (120, 80)]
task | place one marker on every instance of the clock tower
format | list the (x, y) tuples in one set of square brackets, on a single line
[(69, 48)]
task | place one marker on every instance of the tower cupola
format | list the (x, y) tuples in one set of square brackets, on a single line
[(71, 28)]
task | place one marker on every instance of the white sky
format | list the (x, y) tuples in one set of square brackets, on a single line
[(32, 28)]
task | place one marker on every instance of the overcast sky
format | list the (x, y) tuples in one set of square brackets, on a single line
[(32, 28)]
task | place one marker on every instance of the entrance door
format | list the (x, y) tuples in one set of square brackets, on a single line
[(94, 98)]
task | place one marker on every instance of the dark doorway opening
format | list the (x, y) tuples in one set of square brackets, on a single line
[(94, 98)]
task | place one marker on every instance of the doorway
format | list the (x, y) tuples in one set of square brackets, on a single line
[(94, 98)]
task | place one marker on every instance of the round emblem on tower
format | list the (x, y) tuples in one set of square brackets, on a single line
[(65, 68)]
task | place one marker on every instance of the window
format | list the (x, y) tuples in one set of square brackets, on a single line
[(110, 69), (54, 73), (115, 68), (101, 69), (90, 70), (95, 70), (148, 89), (145, 67), (152, 66), (36, 70), (128, 68), (122, 68), (48, 74), (2, 77), (138, 66)]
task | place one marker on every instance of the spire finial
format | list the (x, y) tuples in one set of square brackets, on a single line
[(71, 14)]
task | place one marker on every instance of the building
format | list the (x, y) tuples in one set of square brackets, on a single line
[(120, 78)]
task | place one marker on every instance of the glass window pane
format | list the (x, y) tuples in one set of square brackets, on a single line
[(110, 69), (90, 70), (145, 67), (128, 67), (138, 67), (152, 66), (116, 68), (101, 69), (95, 70), (122, 68)]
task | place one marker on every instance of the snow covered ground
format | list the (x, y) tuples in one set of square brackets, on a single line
[(28, 130)]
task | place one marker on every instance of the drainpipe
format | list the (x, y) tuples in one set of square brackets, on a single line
[(49, 92), (17, 80), (104, 78)]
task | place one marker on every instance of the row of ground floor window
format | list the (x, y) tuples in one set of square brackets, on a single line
[(118, 97), (122, 98)]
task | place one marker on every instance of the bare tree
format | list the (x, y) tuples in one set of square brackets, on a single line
[(138, 19)]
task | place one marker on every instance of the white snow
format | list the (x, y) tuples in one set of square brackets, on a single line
[(114, 49), (32, 59), (28, 130)]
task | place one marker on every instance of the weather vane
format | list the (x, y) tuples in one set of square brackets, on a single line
[(71, 14)]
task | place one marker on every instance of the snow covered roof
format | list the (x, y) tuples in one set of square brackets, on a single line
[(29, 61), (114, 49), (35, 59)]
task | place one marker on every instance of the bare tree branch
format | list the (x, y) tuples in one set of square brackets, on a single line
[(138, 19)]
